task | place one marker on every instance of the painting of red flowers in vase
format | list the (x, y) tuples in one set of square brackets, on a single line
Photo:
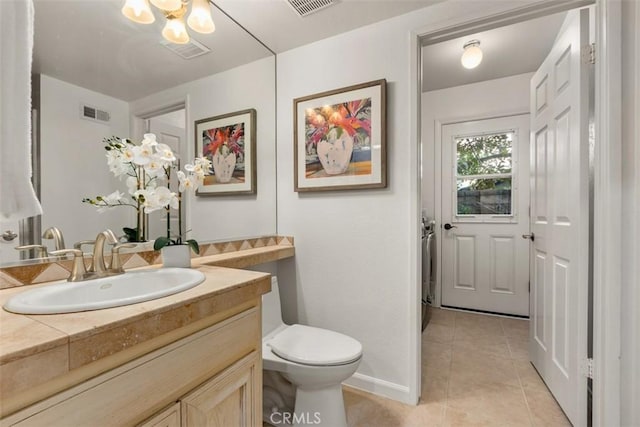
[(340, 139), (228, 141)]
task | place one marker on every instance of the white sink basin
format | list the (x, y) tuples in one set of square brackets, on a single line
[(114, 291)]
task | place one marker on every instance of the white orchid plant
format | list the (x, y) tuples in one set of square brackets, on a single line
[(146, 168)]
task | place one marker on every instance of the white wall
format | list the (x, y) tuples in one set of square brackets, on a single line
[(355, 269), (247, 86), (491, 98), (74, 165), (630, 318)]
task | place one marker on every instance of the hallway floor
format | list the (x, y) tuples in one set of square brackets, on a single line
[(475, 372)]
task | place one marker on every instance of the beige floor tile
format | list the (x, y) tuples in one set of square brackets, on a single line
[(486, 404), (367, 410), (519, 348), (441, 317), (545, 411), (436, 360), (438, 333), (480, 369), (470, 325), (494, 345), (430, 414), (434, 390), (529, 378), (515, 328)]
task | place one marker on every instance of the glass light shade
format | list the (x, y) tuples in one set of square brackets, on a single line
[(175, 31), (138, 11), (167, 5), (471, 57), (200, 18)]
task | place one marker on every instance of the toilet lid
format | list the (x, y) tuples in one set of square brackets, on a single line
[(315, 346)]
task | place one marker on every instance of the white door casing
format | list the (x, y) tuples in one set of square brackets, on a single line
[(485, 262), (560, 217), (175, 138)]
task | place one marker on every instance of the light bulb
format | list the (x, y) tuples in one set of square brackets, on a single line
[(200, 18), (138, 11), (175, 31), (472, 55), (168, 5)]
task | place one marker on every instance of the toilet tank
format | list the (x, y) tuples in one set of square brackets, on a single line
[(271, 309)]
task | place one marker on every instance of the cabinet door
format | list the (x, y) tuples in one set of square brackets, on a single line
[(170, 417), (231, 398)]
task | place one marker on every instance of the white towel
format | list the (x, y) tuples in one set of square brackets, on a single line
[(17, 197)]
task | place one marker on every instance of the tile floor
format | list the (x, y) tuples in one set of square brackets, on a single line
[(475, 372)]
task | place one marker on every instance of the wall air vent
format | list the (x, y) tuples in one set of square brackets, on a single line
[(189, 50), (92, 113), (307, 7)]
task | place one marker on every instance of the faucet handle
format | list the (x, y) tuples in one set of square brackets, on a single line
[(78, 271), (116, 262), (81, 243), (41, 250)]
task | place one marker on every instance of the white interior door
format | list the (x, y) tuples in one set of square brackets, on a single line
[(175, 138), (560, 215), (485, 201)]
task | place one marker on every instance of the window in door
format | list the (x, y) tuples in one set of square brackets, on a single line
[(484, 174)]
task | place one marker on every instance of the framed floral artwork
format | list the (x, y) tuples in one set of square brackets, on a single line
[(229, 141), (340, 139)]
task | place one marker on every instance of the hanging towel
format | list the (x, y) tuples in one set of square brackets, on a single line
[(17, 196)]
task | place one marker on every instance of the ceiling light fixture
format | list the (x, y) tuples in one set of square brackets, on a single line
[(175, 31), (472, 55)]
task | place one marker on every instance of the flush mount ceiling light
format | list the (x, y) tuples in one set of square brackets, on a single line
[(472, 55), (175, 31)]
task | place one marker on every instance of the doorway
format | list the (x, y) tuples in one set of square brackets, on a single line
[(473, 237)]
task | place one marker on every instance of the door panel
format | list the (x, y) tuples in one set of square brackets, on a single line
[(559, 180), (485, 261)]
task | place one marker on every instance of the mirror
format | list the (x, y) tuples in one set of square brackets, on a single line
[(97, 74)]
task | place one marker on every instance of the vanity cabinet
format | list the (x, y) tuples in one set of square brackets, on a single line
[(210, 378), (228, 399)]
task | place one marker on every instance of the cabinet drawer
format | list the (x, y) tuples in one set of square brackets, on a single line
[(135, 391)]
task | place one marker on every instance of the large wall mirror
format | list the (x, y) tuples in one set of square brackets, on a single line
[(97, 74)]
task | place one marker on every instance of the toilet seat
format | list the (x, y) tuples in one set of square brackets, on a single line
[(315, 346)]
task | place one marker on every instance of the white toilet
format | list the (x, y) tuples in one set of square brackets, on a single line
[(314, 360)]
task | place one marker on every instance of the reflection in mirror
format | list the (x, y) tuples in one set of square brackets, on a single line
[(96, 74)]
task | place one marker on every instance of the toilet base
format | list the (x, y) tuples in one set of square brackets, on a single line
[(320, 407)]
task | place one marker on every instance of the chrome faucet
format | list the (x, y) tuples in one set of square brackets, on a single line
[(41, 250), (98, 266), (55, 234)]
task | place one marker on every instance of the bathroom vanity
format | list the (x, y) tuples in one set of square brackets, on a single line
[(189, 359)]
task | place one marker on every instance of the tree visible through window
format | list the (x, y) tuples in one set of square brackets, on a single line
[(484, 174)]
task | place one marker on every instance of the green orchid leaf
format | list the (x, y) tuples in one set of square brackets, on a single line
[(194, 245), (161, 242)]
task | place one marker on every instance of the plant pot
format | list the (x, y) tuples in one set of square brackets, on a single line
[(335, 153), (223, 166), (176, 256)]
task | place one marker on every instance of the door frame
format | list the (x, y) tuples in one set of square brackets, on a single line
[(607, 182)]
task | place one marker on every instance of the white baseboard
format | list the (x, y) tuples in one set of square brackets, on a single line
[(381, 388)]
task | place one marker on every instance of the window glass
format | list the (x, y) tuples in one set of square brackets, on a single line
[(484, 196), (484, 154)]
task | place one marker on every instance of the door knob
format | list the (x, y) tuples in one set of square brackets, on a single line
[(448, 226), (531, 236)]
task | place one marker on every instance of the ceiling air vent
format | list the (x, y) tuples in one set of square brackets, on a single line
[(307, 7), (188, 50), (92, 113)]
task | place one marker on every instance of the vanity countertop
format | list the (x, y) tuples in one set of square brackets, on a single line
[(60, 350)]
